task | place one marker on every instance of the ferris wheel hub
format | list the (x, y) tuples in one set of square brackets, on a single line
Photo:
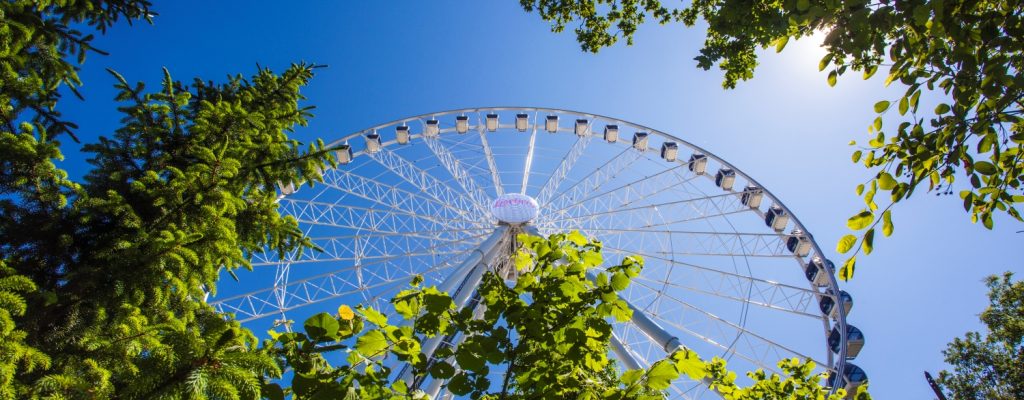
[(515, 208)]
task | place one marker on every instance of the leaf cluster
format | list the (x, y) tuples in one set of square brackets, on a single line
[(546, 335), (969, 54)]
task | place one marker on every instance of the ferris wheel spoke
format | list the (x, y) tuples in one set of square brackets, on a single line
[(592, 181), (425, 182), (364, 247), (327, 286), (697, 242), (738, 287), (451, 163), (721, 333), (491, 164), (364, 218), (639, 217), (558, 176), (391, 196), (633, 192)]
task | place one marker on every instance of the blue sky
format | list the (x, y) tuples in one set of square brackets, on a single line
[(787, 127)]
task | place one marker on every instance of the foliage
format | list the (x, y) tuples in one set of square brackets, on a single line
[(103, 281), (548, 333), (38, 54), (968, 53), (14, 353), (990, 366)]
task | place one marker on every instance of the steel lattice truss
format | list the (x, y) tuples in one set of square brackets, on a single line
[(716, 276)]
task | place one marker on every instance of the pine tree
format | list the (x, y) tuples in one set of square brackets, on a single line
[(104, 278)]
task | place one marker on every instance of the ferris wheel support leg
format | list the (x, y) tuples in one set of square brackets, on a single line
[(462, 284), (659, 335), (623, 354)]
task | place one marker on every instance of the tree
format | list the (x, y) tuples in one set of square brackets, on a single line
[(548, 333), (990, 366), (103, 279), (970, 53)]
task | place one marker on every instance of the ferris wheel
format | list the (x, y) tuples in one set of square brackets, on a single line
[(729, 270)]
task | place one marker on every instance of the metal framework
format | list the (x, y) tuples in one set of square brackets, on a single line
[(720, 277)]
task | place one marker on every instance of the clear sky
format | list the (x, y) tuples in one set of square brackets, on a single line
[(786, 128)]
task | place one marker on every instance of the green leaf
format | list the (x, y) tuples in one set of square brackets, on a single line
[(689, 363), (832, 78), (942, 109), (846, 272), (460, 385), (469, 361), (442, 370), (780, 43), (619, 281), (881, 106), (985, 167), (889, 79), (870, 71), (825, 61), (861, 220), (321, 327), (374, 316), (632, 376), (846, 243), (523, 260), (661, 375), (856, 156), (869, 241), (904, 105), (577, 238), (371, 344), (592, 258), (887, 223), (886, 181)]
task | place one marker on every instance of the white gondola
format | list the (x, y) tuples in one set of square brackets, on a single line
[(827, 304), (372, 142), (776, 218), (698, 163), (432, 129), (640, 141), (582, 127), (725, 178), (818, 270), (522, 122), (752, 196), (287, 189), (669, 151), (854, 341), (551, 123), (462, 124), (853, 377), (611, 133), (344, 154), (492, 122), (798, 243), (402, 134)]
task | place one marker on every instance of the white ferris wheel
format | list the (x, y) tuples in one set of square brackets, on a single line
[(729, 270)]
